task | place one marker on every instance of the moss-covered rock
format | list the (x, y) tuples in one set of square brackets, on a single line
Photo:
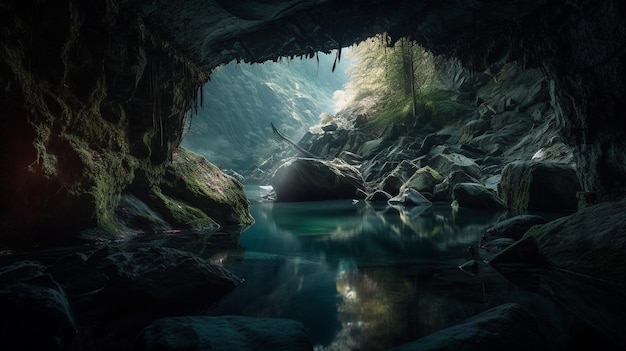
[(540, 186), (192, 182), (423, 180)]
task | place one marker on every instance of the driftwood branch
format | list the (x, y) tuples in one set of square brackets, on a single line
[(281, 137)]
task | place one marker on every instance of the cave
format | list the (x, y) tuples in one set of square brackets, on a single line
[(97, 97)]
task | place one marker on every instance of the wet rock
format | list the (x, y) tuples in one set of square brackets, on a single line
[(514, 227), (36, 313), (378, 196), (330, 127), (77, 275), (423, 180), (505, 327), (539, 186), (473, 195), (306, 179), (350, 158), (148, 277), (224, 334), (409, 197)]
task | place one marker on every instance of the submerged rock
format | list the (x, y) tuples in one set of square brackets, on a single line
[(505, 327), (224, 334), (539, 186), (306, 179)]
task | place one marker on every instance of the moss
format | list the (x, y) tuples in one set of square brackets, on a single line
[(179, 213)]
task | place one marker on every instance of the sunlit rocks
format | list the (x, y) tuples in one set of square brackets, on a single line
[(450, 162), (306, 179), (505, 327), (539, 186), (475, 195), (36, 313), (223, 334)]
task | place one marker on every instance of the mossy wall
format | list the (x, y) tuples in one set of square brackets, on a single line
[(92, 103)]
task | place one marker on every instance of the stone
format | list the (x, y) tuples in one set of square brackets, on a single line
[(539, 186), (514, 227), (307, 179), (450, 162), (350, 158), (505, 327), (36, 313), (224, 333), (330, 127), (378, 196), (471, 267), (473, 195), (443, 190), (423, 180), (400, 175), (590, 242), (409, 197), (158, 276)]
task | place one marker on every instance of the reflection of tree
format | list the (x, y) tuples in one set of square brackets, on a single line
[(373, 310)]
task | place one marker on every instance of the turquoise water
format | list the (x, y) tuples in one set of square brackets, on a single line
[(367, 277)]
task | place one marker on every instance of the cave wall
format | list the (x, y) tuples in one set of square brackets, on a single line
[(95, 93), (91, 103)]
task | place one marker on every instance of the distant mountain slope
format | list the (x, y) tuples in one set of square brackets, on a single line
[(232, 128)]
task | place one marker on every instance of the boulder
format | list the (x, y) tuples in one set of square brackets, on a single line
[(473, 195), (147, 277), (423, 180), (505, 327), (514, 227), (450, 162), (443, 190), (590, 242), (539, 186), (497, 245), (223, 333), (409, 197), (350, 158), (36, 314), (308, 179), (400, 175)]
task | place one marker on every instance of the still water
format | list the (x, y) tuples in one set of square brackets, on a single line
[(365, 277)]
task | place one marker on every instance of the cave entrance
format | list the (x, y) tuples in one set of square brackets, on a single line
[(233, 127)]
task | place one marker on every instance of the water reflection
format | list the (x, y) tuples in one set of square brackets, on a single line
[(360, 276)]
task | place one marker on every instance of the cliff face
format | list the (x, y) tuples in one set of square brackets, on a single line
[(92, 102), (95, 93)]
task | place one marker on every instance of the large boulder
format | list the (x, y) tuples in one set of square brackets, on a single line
[(196, 182), (590, 242), (224, 334), (539, 186), (308, 179), (149, 277), (473, 195), (505, 327), (409, 197)]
